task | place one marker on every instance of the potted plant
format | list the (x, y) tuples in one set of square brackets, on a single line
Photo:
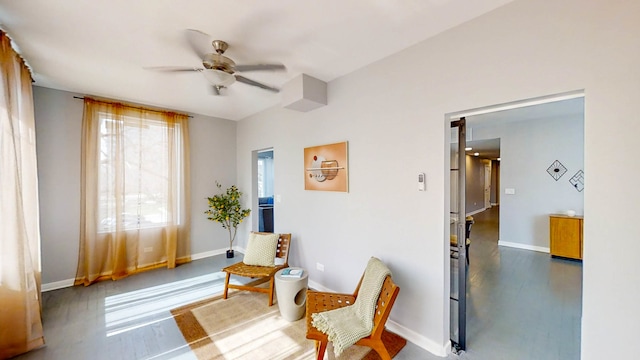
[(225, 208)]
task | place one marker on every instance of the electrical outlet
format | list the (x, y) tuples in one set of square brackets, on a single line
[(148, 249), (320, 267)]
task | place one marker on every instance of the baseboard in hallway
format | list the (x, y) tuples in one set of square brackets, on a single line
[(524, 246)]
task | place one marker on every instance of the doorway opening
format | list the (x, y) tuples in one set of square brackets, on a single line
[(264, 165), (495, 289)]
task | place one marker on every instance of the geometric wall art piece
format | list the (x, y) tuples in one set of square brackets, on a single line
[(326, 167), (556, 170), (577, 180)]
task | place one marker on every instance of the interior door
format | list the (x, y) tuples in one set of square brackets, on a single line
[(458, 255), (487, 184)]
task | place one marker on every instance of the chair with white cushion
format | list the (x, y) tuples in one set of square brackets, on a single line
[(266, 254)]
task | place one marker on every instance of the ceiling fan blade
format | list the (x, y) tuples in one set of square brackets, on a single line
[(200, 42), (243, 79), (172, 68), (259, 67)]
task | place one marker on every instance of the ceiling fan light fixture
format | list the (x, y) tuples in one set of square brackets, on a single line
[(218, 77)]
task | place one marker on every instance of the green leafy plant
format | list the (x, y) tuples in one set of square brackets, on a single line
[(225, 208)]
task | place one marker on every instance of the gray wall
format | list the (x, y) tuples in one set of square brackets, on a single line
[(58, 130), (474, 188), (527, 149), (522, 50), (58, 135)]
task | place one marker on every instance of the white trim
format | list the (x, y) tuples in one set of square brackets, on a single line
[(207, 254), (69, 282), (476, 211), (58, 285), (315, 286), (419, 340), (523, 246), (518, 104), (211, 253)]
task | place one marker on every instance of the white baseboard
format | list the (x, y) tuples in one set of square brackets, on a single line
[(58, 285), (524, 246), (69, 282), (211, 253), (315, 286), (476, 211), (423, 342), (207, 254)]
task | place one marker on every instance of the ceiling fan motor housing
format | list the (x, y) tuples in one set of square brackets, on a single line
[(219, 62)]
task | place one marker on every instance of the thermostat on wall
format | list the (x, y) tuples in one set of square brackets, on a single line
[(422, 182)]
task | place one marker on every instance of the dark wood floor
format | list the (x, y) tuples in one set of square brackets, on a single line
[(130, 318), (521, 305)]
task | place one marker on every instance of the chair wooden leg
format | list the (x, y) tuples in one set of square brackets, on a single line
[(381, 350), (321, 347), (226, 286), (271, 286)]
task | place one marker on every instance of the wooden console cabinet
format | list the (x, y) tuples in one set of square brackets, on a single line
[(566, 236)]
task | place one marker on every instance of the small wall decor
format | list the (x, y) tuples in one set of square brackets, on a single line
[(325, 167), (556, 170), (577, 180)]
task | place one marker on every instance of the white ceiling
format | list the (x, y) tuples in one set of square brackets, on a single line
[(100, 47)]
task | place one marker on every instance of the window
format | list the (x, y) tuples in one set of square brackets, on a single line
[(140, 158), (135, 190)]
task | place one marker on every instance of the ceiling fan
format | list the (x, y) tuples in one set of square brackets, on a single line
[(218, 69)]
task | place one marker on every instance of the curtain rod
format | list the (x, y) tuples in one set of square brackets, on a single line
[(135, 107)]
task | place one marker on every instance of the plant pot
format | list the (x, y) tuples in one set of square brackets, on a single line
[(229, 254)]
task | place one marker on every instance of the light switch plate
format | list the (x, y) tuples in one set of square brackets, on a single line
[(510, 191)]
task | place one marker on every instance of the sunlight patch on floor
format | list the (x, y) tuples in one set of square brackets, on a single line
[(135, 309)]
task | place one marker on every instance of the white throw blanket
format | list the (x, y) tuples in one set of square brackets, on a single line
[(345, 326)]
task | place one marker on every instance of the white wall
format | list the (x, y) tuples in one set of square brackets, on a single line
[(58, 134), (392, 113), (527, 149)]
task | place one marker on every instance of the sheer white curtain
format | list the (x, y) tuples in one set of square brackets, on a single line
[(135, 190), (20, 318)]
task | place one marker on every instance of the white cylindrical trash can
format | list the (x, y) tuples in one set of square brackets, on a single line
[(291, 293)]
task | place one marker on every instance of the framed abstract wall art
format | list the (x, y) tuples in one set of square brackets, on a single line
[(326, 167)]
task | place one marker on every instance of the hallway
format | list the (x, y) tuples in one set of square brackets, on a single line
[(521, 304)]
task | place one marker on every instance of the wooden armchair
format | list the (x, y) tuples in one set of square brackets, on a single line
[(262, 274), (323, 301)]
